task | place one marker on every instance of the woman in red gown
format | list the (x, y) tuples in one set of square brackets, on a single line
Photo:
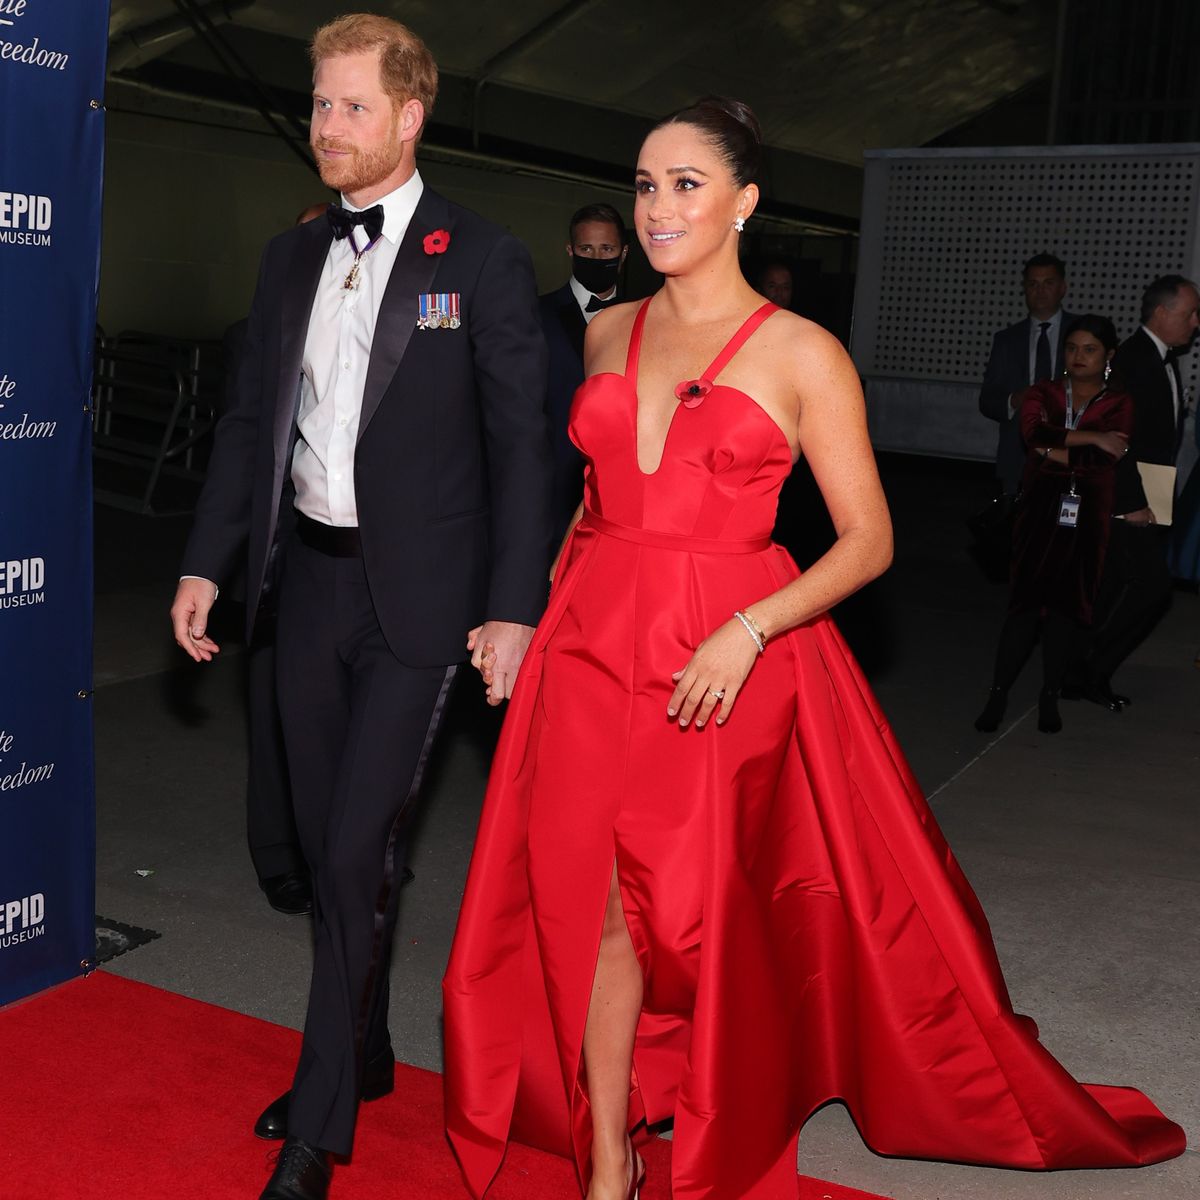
[(706, 886)]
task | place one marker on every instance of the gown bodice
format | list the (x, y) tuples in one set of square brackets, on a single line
[(723, 463)]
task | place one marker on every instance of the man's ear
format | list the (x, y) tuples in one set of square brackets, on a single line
[(412, 119)]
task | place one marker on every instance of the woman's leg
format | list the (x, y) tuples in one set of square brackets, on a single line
[(608, 1050), (1017, 636), (1063, 642)]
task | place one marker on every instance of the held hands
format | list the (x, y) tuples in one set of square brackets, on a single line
[(189, 618), (497, 650), (714, 675)]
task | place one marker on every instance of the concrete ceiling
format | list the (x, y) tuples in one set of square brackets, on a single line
[(828, 78)]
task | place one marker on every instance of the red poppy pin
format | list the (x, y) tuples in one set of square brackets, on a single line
[(693, 391), (437, 242)]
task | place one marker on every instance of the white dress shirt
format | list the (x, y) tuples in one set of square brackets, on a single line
[(1163, 348), (582, 296), (337, 353)]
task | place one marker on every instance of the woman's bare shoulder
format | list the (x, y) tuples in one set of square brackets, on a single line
[(811, 357), (807, 336), (607, 338)]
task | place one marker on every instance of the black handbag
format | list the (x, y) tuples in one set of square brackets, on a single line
[(992, 530)]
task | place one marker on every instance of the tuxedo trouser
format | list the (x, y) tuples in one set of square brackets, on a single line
[(358, 725), (270, 822), (1135, 591)]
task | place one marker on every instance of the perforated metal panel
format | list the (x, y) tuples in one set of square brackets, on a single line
[(945, 234)]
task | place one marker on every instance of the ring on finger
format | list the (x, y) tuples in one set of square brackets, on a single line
[(716, 695)]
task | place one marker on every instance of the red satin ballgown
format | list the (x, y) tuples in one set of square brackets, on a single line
[(803, 929)]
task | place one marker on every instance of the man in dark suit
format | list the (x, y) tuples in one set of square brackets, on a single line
[(1026, 353), (386, 461), (1136, 587), (597, 249)]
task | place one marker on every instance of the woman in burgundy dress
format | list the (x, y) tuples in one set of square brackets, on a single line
[(706, 887), (1075, 432)]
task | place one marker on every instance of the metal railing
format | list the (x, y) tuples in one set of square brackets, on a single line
[(153, 412)]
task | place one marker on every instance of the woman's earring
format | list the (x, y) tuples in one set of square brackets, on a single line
[(1107, 371), (739, 224)]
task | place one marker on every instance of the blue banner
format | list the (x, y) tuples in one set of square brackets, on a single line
[(52, 55)]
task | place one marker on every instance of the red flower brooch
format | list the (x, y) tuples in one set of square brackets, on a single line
[(437, 242), (693, 391)]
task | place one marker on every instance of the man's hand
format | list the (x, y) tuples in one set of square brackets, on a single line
[(497, 650), (189, 618), (1141, 516)]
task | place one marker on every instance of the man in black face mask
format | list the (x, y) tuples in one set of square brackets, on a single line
[(597, 250)]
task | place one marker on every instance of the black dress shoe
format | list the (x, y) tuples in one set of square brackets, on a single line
[(1049, 720), (302, 1172), (989, 720), (1099, 692), (289, 893), (378, 1081)]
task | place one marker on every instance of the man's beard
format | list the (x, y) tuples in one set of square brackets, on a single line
[(360, 169)]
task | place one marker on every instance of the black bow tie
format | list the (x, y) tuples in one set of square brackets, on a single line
[(595, 304), (343, 220)]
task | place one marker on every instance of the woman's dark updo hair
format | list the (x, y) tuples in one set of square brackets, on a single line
[(1101, 328), (731, 127)]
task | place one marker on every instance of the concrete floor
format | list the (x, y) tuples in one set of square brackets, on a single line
[(1082, 847)]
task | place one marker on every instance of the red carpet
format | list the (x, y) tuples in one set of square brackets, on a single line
[(114, 1090)]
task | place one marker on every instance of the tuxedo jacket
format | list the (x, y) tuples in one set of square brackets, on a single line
[(1156, 430), (451, 469), (1007, 373), (564, 328)]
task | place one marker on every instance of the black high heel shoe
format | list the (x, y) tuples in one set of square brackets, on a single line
[(1049, 720), (989, 720)]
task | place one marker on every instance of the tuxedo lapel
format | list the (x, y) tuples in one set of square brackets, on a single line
[(573, 322), (303, 275), (412, 275)]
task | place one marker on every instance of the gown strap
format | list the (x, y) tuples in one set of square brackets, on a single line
[(635, 341), (735, 343)]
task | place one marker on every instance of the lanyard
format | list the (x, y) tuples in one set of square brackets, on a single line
[(1073, 417)]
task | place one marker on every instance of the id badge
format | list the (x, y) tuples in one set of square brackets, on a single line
[(1068, 511)]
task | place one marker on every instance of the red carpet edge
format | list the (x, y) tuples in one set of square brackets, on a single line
[(120, 1091)]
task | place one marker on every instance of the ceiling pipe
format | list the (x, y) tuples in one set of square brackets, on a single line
[(540, 33), (137, 46)]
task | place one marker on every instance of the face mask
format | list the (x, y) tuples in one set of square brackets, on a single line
[(598, 275)]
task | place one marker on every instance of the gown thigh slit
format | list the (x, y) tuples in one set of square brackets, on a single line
[(803, 929)]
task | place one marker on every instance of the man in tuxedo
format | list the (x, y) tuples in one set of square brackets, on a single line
[(386, 461), (1136, 587), (596, 246), (1026, 353)]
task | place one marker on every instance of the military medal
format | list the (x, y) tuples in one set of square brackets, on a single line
[(439, 310), (350, 283)]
